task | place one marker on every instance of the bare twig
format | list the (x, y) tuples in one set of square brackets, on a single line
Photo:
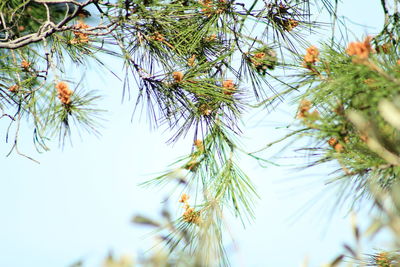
[(279, 140), (63, 2), (15, 145), (385, 11), (47, 12)]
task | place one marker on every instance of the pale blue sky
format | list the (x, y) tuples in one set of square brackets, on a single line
[(78, 202)]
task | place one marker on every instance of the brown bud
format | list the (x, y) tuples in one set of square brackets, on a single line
[(178, 76)]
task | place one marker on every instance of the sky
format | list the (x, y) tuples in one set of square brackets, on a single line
[(78, 202)]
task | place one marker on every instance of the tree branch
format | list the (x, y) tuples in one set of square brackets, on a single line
[(62, 2), (48, 28), (385, 11)]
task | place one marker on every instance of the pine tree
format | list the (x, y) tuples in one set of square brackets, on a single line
[(198, 67)]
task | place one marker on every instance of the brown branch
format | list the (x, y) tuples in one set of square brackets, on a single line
[(62, 2), (48, 28), (92, 30), (385, 11)]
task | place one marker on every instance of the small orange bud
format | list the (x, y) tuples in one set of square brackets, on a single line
[(64, 94), (361, 50), (198, 143), (79, 36), (339, 147), (158, 37), (311, 57), (332, 141), (228, 84), (259, 55), (178, 76), (229, 87), (211, 38), (25, 64), (305, 106), (191, 216), (184, 198), (13, 88), (383, 259), (290, 24)]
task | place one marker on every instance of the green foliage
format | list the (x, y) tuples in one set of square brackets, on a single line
[(340, 86)]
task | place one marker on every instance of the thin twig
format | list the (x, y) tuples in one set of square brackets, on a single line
[(279, 140), (385, 11)]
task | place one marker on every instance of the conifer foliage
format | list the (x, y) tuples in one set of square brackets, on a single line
[(197, 67)]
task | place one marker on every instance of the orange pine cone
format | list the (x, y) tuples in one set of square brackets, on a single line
[(64, 93), (360, 49)]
